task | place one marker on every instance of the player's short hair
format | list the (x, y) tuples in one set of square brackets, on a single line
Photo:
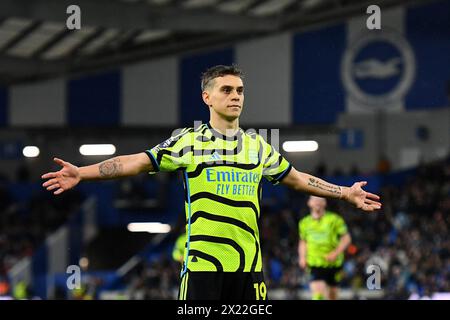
[(219, 71)]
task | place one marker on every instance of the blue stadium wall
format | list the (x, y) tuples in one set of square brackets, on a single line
[(292, 78)]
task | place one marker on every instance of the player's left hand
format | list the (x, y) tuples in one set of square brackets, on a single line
[(332, 256), (362, 199)]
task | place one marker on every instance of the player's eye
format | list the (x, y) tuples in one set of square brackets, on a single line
[(227, 90), (240, 90)]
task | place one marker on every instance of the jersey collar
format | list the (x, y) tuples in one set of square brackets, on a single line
[(219, 135)]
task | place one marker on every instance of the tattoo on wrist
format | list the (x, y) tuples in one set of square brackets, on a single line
[(315, 183), (110, 168)]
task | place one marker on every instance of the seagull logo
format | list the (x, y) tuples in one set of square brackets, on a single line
[(377, 69)]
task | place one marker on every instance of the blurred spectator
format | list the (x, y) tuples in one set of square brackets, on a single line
[(4, 287), (21, 291), (383, 165)]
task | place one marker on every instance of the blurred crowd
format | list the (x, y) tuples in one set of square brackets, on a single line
[(24, 225), (408, 239), (154, 280)]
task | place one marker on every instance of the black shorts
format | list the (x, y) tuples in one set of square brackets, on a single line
[(330, 275), (222, 286)]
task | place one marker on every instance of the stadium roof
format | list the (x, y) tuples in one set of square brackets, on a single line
[(35, 42)]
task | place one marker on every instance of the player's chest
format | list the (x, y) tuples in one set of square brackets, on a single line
[(222, 152), (319, 232)]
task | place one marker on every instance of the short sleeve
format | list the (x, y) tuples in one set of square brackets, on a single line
[(340, 226), (174, 153), (275, 166)]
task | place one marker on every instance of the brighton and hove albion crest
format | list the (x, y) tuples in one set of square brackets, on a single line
[(378, 68)]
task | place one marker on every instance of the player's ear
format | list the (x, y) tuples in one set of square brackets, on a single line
[(205, 96)]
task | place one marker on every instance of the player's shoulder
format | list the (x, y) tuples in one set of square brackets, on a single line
[(181, 238), (181, 132), (251, 134), (188, 134), (256, 137), (305, 220), (178, 136), (332, 215)]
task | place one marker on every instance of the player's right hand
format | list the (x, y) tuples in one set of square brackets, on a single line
[(62, 180)]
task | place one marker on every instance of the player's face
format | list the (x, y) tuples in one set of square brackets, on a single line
[(226, 97), (317, 204)]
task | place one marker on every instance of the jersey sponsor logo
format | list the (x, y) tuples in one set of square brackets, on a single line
[(213, 175), (318, 236), (237, 183)]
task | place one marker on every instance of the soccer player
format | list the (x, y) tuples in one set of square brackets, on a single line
[(223, 167), (323, 239)]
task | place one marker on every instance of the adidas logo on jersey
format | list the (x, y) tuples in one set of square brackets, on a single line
[(215, 156)]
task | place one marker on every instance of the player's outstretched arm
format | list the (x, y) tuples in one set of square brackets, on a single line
[(69, 175), (302, 253), (355, 195)]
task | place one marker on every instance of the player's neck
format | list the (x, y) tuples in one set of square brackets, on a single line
[(225, 127), (317, 215)]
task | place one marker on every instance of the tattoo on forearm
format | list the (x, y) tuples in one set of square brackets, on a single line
[(110, 168), (325, 186)]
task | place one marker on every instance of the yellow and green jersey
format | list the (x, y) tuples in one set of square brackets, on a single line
[(222, 183), (178, 248), (322, 236)]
